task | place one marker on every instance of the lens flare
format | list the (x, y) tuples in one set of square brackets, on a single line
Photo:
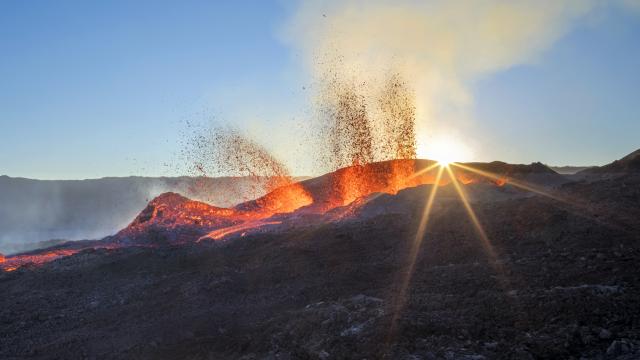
[(413, 254), (444, 150), (486, 243), (501, 181)]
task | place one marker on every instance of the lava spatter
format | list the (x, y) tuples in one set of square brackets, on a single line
[(398, 116)]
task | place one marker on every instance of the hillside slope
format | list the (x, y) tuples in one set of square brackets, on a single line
[(629, 163)]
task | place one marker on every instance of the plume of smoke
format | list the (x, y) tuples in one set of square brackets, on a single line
[(438, 48)]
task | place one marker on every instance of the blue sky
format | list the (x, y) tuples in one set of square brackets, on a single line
[(579, 104), (91, 89)]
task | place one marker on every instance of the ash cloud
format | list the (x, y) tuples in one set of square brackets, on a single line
[(439, 47)]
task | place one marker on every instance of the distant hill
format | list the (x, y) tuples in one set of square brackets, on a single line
[(629, 163), (568, 170)]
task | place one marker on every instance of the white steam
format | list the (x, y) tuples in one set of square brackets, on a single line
[(441, 46)]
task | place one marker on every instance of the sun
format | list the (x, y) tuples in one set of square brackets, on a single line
[(444, 150)]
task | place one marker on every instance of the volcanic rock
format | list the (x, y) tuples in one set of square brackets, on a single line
[(172, 218), (555, 271)]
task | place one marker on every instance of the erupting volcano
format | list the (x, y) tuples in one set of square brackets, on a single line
[(495, 232), (319, 180), (368, 156), (173, 219), (369, 224), (368, 153)]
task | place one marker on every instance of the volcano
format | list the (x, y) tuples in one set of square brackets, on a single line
[(394, 259), (174, 219)]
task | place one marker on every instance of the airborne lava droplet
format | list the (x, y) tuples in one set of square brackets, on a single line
[(227, 151), (349, 132), (219, 151), (365, 121), (397, 104), (355, 135)]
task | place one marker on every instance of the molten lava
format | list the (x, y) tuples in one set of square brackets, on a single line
[(221, 233), (13, 262), (285, 199)]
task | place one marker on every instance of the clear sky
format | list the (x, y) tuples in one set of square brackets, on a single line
[(91, 89)]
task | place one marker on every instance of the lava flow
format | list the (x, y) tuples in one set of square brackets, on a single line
[(12, 263)]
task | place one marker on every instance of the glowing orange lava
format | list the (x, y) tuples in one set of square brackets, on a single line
[(221, 233), (172, 218), (284, 199), (13, 262)]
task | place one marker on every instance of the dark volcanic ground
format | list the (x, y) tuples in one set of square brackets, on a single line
[(564, 284)]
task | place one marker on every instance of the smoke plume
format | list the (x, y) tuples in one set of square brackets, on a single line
[(435, 49)]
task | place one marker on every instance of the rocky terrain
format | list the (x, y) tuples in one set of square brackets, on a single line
[(629, 163), (557, 279)]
